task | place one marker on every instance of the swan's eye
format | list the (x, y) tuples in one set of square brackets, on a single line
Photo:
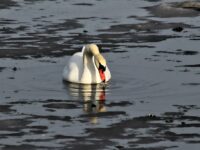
[(102, 67)]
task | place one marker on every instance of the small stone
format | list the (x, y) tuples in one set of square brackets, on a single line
[(119, 146), (178, 29), (85, 31), (14, 68), (183, 123)]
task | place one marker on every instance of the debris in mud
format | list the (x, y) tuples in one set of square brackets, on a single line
[(178, 29), (14, 68)]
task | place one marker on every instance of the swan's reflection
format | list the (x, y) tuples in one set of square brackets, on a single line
[(93, 96)]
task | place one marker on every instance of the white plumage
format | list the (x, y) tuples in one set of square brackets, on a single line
[(87, 67)]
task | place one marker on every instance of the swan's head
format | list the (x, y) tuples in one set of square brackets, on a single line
[(92, 49), (100, 63)]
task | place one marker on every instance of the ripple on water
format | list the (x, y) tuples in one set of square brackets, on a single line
[(39, 112)]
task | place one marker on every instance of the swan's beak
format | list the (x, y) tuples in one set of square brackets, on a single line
[(102, 75)]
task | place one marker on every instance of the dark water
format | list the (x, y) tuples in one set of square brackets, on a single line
[(152, 49)]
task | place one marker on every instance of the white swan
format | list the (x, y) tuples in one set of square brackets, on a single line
[(87, 67)]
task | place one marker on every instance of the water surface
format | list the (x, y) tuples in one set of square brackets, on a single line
[(152, 49)]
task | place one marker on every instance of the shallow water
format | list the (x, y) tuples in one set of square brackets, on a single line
[(152, 101)]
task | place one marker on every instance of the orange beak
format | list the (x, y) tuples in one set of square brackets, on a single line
[(102, 75)]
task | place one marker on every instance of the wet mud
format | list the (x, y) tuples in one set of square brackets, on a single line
[(152, 49), (175, 9)]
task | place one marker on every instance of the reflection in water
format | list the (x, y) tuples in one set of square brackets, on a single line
[(93, 96)]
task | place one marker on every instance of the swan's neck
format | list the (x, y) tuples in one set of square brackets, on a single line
[(87, 59), (89, 68)]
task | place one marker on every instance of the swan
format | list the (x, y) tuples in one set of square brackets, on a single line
[(87, 67)]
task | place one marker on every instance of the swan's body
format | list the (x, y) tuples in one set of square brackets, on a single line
[(87, 67)]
